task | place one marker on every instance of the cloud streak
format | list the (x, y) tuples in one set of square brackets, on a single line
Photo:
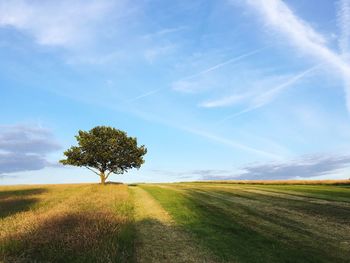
[(225, 101), (278, 16), (268, 96), (225, 63), (191, 129), (234, 144), (186, 86)]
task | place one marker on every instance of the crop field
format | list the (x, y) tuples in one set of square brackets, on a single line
[(184, 222)]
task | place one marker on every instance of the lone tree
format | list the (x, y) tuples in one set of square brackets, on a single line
[(105, 150)]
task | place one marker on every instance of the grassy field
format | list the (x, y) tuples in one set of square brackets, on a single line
[(66, 223), (185, 222)]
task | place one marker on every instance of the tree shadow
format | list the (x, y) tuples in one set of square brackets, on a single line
[(73, 237), (20, 200), (21, 192), (12, 206)]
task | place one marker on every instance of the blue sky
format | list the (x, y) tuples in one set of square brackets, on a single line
[(245, 89)]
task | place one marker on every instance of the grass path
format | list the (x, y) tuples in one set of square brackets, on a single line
[(159, 239)]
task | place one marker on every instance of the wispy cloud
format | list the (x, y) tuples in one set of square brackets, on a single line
[(186, 85), (58, 23), (143, 95), (225, 101), (280, 17), (233, 144), (164, 31), (205, 133), (227, 62), (268, 96)]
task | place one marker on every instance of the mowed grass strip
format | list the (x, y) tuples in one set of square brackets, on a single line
[(66, 223), (159, 239), (240, 224)]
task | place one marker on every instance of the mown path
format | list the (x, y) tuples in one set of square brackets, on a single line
[(159, 239)]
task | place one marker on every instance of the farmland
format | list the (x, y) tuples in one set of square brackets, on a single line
[(184, 222)]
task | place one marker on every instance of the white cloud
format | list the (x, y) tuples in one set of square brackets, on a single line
[(164, 31), (57, 23), (225, 101)]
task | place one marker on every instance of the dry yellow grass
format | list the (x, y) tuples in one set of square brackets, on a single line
[(75, 223)]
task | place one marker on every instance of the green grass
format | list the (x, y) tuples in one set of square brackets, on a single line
[(259, 223)]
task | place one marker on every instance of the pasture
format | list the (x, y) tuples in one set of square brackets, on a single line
[(183, 222)]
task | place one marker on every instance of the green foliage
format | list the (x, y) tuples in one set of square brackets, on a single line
[(106, 149)]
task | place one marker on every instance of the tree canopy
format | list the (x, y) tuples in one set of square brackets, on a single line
[(105, 150)]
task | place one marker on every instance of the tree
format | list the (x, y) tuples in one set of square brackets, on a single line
[(105, 150)]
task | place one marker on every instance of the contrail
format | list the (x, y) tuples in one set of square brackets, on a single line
[(233, 144), (144, 95), (235, 59), (278, 15), (268, 96)]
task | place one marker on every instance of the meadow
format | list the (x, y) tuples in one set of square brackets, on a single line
[(183, 222)]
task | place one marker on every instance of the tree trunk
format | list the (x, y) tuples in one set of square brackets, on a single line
[(103, 178)]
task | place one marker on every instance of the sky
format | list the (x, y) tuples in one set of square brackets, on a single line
[(215, 89)]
